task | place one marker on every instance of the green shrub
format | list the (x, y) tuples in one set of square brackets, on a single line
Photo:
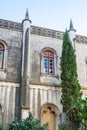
[(2, 128), (81, 128), (28, 124)]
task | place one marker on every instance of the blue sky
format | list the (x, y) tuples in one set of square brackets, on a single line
[(53, 14)]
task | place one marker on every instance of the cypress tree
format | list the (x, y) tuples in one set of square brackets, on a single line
[(70, 84)]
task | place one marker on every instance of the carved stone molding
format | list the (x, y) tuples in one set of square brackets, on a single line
[(46, 32), (10, 25), (39, 31)]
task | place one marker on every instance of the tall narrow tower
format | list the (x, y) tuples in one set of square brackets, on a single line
[(71, 33), (25, 66)]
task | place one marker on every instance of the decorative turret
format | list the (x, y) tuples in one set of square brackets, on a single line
[(71, 25), (26, 22), (27, 14), (25, 75), (72, 32), (26, 40)]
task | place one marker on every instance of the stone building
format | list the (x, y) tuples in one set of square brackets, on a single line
[(30, 71)]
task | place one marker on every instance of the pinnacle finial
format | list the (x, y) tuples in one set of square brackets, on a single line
[(71, 24), (27, 14)]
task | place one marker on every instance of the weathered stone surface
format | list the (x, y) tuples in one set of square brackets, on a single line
[(13, 41), (8, 101), (25, 43)]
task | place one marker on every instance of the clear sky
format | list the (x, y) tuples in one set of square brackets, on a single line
[(53, 14)]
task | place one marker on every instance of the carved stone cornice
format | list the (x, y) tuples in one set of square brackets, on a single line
[(39, 31), (10, 25), (46, 32), (55, 34), (81, 39)]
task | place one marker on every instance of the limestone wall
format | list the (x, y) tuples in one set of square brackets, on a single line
[(42, 95), (12, 40), (9, 102), (37, 44), (81, 56)]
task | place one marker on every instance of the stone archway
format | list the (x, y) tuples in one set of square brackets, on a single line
[(48, 115)]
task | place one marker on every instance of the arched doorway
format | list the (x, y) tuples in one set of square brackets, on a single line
[(49, 115)]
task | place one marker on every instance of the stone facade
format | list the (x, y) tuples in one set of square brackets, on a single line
[(24, 86)]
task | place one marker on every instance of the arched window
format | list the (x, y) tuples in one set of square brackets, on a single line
[(1, 55), (48, 62)]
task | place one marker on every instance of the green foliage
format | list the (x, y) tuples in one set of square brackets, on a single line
[(63, 127), (2, 128), (70, 84), (81, 128), (81, 105), (28, 124)]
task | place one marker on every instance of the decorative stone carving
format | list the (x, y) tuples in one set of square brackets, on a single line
[(39, 31), (9, 24), (48, 115)]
